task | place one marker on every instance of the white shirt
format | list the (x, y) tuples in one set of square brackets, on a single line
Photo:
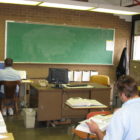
[(125, 123), (9, 74)]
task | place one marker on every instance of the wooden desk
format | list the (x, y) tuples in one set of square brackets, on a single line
[(51, 101)]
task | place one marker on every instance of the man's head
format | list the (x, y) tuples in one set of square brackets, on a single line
[(8, 62), (127, 87)]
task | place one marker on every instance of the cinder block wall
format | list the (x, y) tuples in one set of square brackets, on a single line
[(46, 15)]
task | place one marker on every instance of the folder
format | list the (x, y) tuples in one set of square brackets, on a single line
[(71, 76), (86, 76), (77, 76)]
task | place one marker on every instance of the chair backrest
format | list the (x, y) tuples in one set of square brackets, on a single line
[(10, 88), (100, 79)]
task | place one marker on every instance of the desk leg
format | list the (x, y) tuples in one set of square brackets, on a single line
[(24, 89)]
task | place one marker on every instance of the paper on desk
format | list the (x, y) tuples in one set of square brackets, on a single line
[(3, 137), (86, 76), (79, 102), (101, 120)]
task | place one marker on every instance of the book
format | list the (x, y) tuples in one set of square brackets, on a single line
[(80, 102), (101, 120)]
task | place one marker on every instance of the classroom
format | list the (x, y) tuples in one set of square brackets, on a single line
[(65, 46)]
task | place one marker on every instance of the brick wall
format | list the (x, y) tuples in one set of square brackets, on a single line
[(45, 15)]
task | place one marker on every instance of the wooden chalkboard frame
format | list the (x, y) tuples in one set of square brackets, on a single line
[(74, 28)]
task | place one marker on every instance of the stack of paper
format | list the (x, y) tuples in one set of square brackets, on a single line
[(101, 120), (79, 102)]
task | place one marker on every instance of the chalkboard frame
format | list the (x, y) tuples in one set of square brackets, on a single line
[(93, 63)]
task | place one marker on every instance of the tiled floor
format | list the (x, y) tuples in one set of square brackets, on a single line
[(15, 124)]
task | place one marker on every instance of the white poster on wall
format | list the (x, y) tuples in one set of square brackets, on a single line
[(109, 45)]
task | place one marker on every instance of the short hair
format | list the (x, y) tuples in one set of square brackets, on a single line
[(8, 62), (127, 85)]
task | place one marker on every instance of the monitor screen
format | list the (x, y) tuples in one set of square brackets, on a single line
[(58, 76), (1, 65)]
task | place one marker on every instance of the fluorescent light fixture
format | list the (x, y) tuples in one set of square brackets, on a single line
[(96, 7), (121, 12), (104, 8), (67, 4), (22, 2)]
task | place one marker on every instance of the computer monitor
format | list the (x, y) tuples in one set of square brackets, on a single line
[(58, 76)]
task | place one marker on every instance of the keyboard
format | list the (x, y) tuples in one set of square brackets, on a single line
[(77, 85)]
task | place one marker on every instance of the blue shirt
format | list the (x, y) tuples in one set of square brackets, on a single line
[(9, 74), (125, 123)]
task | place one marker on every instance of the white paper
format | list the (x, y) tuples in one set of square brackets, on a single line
[(22, 74), (77, 76), (93, 73), (109, 45), (71, 75), (86, 76)]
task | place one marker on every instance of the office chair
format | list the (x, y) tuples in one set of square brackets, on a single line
[(10, 98), (100, 79)]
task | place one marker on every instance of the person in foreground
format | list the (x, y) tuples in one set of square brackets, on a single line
[(8, 74), (125, 122)]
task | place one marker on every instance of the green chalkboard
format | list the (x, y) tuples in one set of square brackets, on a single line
[(41, 43)]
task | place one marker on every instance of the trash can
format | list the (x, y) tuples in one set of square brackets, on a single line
[(29, 117)]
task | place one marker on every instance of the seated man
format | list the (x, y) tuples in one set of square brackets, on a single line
[(125, 122), (8, 74)]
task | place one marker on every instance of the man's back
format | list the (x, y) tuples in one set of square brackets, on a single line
[(125, 122), (9, 74)]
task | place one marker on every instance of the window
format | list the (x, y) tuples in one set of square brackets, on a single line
[(136, 50), (136, 45)]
